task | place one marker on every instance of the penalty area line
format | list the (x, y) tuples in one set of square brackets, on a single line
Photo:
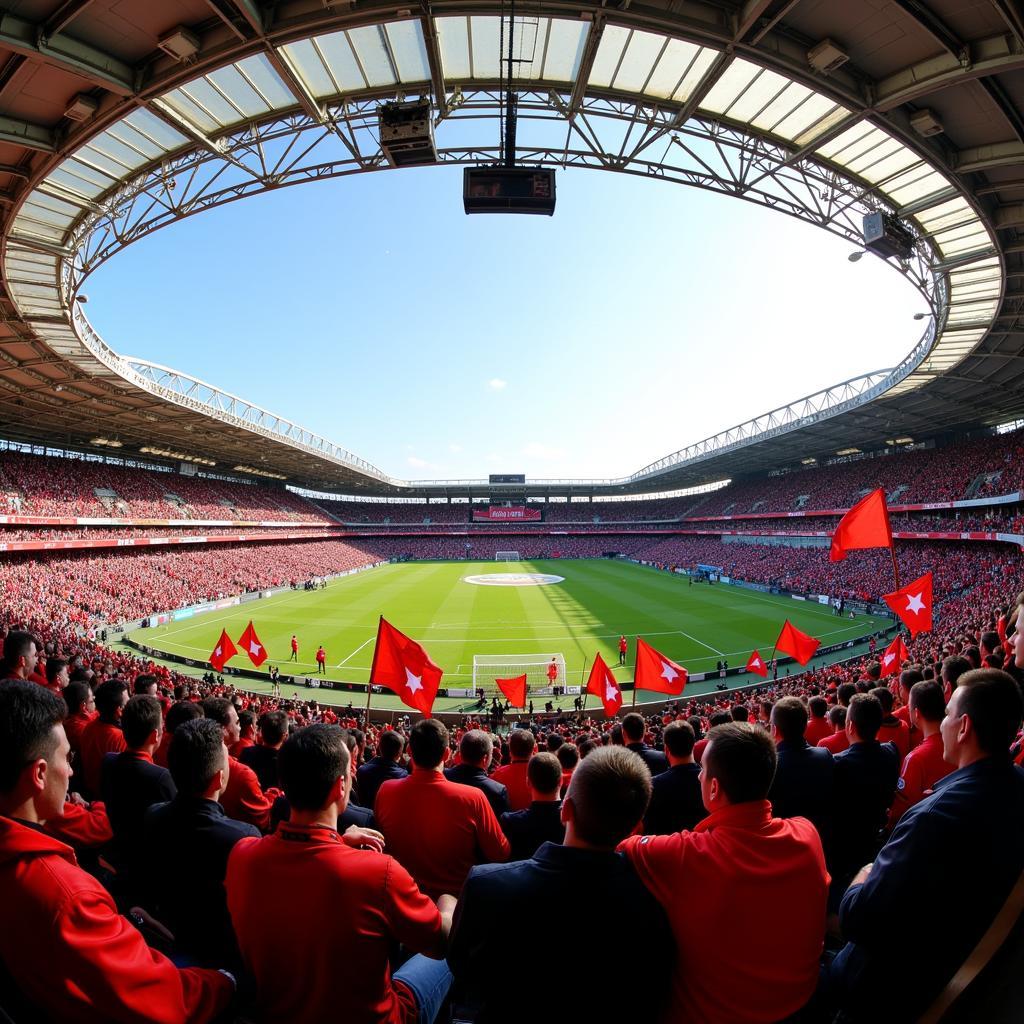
[(356, 651)]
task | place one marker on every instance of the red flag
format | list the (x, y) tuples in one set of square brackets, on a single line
[(404, 667), (913, 604), (866, 525), (602, 682), (514, 689), (895, 654), (756, 664), (796, 644), (249, 642), (223, 652), (656, 672)]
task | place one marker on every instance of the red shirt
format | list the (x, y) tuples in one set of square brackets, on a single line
[(295, 644), (745, 894), (243, 799), (98, 966), (98, 739), (552, 672), (922, 768), (897, 733), (903, 714), (513, 778), (836, 743), (622, 645), (438, 829), (817, 729), (73, 726), (243, 744), (321, 656), (698, 749), (319, 948), (81, 826)]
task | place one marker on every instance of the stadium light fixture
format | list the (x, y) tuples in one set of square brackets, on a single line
[(856, 257), (921, 316)]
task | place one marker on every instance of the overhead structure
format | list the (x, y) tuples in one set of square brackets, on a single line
[(107, 134)]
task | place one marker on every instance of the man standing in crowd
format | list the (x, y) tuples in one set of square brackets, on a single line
[(381, 768), (262, 757), (72, 956), (435, 828), (321, 948), (541, 822), (475, 750), (21, 655), (633, 729), (103, 734), (676, 803), (606, 799), (513, 776), (765, 876), (952, 861)]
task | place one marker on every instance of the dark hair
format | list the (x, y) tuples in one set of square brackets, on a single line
[(390, 745), (195, 755), (28, 713), (428, 741), (818, 707), (544, 773), (884, 697), (17, 645), (927, 700), (972, 655), (837, 716), (992, 701), (789, 716), (845, 692), (610, 791), (990, 639), (865, 713), (246, 720), (953, 668), (739, 713), (217, 708), (108, 697), (180, 713), (741, 756), (310, 763), (141, 716), (553, 742), (697, 726), (273, 727), (719, 718), (568, 755), (53, 668), (634, 727), (587, 746), (476, 747), (679, 739), (76, 695), (521, 743), (909, 676), (143, 681)]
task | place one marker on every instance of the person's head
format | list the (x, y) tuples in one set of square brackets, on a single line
[(34, 764), (111, 697), (844, 693), (57, 673), (78, 697), (873, 672), (982, 717), (428, 743), (314, 765), (884, 697), (738, 765), (739, 713), (837, 718), (142, 722), (989, 642), (553, 742), (863, 718), (633, 728), (1015, 635), (390, 745), (145, 683), (181, 712), (521, 744), (973, 655), (678, 740), (719, 718), (20, 655), (697, 726), (273, 728), (606, 799), (927, 705), (198, 758), (568, 756), (544, 774), (223, 712), (818, 707), (789, 720), (953, 668), (246, 724), (475, 748)]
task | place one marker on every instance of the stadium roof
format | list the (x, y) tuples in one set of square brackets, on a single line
[(121, 117)]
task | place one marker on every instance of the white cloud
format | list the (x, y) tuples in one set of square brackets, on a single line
[(543, 452), (497, 384)]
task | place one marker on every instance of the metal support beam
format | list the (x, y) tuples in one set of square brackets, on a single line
[(295, 84), (66, 53), (434, 61), (252, 13), (1006, 106), (1010, 12), (752, 10), (997, 154), (579, 87), (64, 15), (1010, 216), (229, 16), (934, 26), (22, 133)]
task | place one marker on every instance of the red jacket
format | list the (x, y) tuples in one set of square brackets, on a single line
[(81, 827), (817, 729), (922, 768), (244, 799), (836, 743), (438, 830), (98, 739), (73, 726), (513, 778), (75, 957)]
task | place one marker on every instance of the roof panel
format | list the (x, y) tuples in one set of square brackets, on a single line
[(734, 81), (409, 50), (337, 53), (486, 44), (184, 106), (609, 53), (371, 49), (837, 114), (672, 65), (760, 94), (638, 62), (453, 42), (695, 73), (306, 62)]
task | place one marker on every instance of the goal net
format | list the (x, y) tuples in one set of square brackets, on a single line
[(488, 667), (507, 556)]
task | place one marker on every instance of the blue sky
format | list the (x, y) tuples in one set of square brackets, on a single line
[(642, 317)]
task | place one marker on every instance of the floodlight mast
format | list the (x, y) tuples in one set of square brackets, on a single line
[(508, 142)]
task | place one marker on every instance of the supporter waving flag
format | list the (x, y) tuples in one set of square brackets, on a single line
[(405, 668), (866, 525), (514, 689), (656, 672), (755, 664), (223, 652), (913, 604), (895, 654), (602, 682), (250, 643), (796, 644)]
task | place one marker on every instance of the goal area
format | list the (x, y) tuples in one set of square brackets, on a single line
[(488, 667), (507, 556)]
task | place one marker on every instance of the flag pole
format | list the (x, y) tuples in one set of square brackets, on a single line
[(895, 568), (373, 669), (583, 689), (635, 646)]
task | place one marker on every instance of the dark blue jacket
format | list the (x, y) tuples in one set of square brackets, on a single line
[(528, 830), (655, 760), (803, 786), (495, 929), (352, 815), (372, 775), (466, 775), (130, 785), (865, 783), (676, 802), (933, 891), (263, 761)]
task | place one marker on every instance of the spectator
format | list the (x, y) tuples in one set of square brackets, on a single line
[(103, 735), (70, 953), (436, 828), (57, 677), (676, 802), (177, 714), (892, 730), (818, 726), (475, 752), (246, 734), (568, 755), (606, 799), (382, 767), (329, 939), (839, 740), (81, 711), (541, 822), (262, 756), (513, 776), (765, 876), (20, 655), (953, 668), (633, 729)]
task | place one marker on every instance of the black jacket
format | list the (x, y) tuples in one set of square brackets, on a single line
[(130, 785), (466, 775), (803, 786), (676, 802), (372, 775), (263, 761), (528, 830), (655, 760), (865, 783)]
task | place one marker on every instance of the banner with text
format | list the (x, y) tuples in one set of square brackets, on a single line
[(506, 514)]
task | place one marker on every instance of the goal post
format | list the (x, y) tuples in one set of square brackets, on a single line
[(488, 667), (507, 556)]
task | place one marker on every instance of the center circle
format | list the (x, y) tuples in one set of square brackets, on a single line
[(513, 579)]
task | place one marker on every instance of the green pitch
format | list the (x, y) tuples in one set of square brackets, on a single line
[(431, 601)]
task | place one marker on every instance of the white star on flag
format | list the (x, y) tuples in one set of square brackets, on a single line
[(756, 663), (254, 648), (412, 682), (217, 651), (888, 658), (610, 692), (668, 673), (914, 603)]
